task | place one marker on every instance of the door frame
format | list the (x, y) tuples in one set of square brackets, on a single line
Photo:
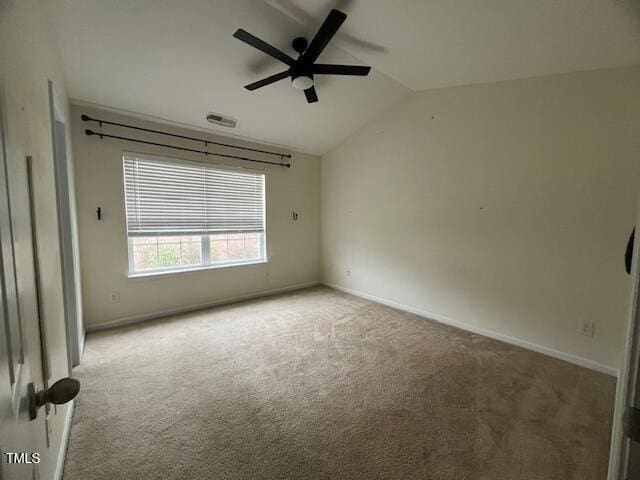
[(627, 385), (68, 248)]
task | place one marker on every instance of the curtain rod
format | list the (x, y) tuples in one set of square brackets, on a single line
[(104, 135), (87, 118)]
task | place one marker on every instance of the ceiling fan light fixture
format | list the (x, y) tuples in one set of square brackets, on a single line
[(302, 82)]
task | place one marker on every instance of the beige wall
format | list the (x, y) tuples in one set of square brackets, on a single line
[(506, 206), (28, 62), (292, 247)]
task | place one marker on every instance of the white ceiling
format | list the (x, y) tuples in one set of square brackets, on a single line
[(441, 43), (177, 60)]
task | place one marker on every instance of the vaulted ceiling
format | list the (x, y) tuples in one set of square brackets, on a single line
[(177, 60)]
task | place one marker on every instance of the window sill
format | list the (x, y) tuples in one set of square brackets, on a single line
[(157, 273)]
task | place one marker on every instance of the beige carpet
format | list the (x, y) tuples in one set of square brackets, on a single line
[(318, 384)]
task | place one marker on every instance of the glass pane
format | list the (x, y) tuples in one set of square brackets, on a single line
[(252, 246), (144, 240), (230, 247), (191, 252), (166, 252), (235, 247), (162, 240), (145, 256), (219, 248)]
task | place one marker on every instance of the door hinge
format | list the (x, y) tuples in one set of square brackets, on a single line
[(632, 423)]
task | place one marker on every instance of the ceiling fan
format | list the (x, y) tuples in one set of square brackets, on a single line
[(304, 68)]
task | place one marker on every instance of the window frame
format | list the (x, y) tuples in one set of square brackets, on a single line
[(205, 243)]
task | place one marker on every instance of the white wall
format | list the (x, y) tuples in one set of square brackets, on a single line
[(506, 206), (28, 62), (292, 247)]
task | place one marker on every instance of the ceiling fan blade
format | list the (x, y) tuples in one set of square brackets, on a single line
[(323, 69), (325, 34), (263, 46), (267, 81), (311, 95)]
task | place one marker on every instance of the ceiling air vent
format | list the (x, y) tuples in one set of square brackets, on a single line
[(221, 120)]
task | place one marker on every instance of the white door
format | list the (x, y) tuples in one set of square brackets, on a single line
[(25, 395), (625, 452), (20, 437)]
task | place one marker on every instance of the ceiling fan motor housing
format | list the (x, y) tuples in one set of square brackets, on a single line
[(299, 44)]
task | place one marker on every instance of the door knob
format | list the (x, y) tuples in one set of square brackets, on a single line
[(63, 391)]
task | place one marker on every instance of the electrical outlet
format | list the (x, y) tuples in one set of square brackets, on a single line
[(587, 328), (348, 272), (114, 297)]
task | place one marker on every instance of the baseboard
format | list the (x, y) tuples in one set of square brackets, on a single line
[(568, 357), (64, 442), (192, 308)]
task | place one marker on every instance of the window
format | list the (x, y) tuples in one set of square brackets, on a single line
[(187, 215)]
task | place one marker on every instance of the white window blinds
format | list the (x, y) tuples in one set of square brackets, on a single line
[(165, 197)]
